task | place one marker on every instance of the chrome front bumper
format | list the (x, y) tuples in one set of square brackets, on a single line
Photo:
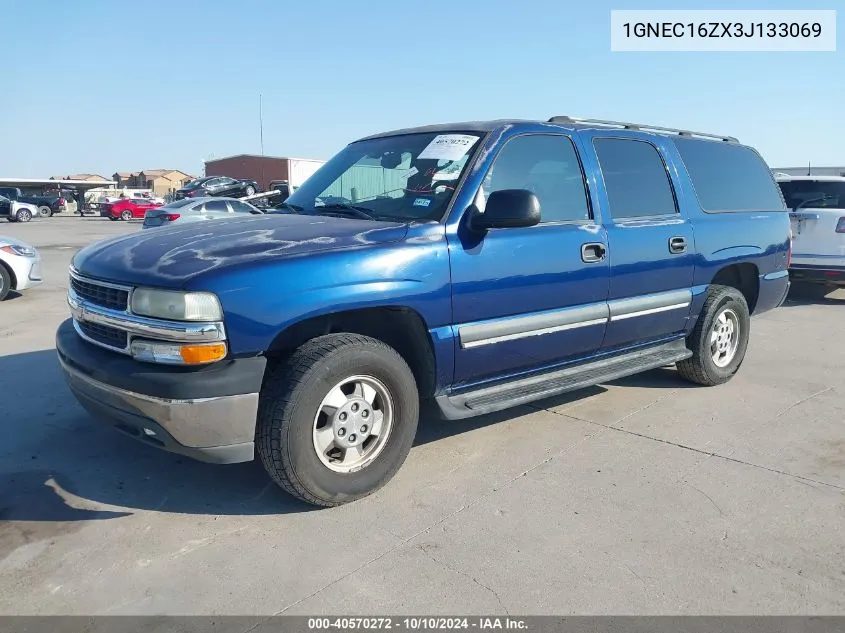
[(218, 430)]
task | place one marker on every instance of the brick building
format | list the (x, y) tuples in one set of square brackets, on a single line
[(262, 169)]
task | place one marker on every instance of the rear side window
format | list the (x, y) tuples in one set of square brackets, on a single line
[(217, 205), (814, 194), (729, 177), (635, 178)]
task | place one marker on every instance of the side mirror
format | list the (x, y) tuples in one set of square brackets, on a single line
[(507, 208)]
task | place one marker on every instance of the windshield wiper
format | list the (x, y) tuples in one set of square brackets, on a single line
[(349, 209), (293, 207)]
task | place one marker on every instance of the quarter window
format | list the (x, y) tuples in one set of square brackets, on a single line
[(240, 207), (728, 176), (635, 178), (548, 166)]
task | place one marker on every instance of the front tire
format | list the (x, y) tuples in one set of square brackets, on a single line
[(337, 420), (5, 282), (720, 338), (45, 211), (250, 190), (23, 215)]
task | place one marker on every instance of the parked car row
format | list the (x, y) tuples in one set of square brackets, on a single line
[(42, 205)]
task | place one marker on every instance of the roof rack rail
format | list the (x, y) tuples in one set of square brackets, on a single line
[(640, 126)]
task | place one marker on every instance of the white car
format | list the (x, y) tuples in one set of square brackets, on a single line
[(817, 210), (198, 209), (20, 266), (15, 211)]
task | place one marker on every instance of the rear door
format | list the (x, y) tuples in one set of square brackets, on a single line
[(817, 213), (650, 244), (228, 187)]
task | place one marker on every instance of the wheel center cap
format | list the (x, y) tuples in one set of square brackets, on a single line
[(352, 422)]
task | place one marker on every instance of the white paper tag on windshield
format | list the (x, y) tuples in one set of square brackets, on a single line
[(448, 146)]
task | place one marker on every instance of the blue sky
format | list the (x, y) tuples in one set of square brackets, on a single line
[(101, 86)]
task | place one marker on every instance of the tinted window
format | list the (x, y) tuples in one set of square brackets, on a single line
[(180, 203), (548, 166), (728, 177), (635, 178), (817, 194), (240, 207), (216, 205)]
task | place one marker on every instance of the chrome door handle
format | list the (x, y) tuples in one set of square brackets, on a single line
[(593, 252)]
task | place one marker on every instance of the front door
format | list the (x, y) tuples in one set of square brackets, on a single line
[(650, 244), (530, 298)]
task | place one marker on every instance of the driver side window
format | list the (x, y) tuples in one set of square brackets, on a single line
[(548, 166)]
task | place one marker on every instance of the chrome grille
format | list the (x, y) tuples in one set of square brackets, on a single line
[(104, 334), (101, 295)]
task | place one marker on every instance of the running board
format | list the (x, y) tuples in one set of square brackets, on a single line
[(504, 396)]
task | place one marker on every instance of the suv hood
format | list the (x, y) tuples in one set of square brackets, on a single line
[(170, 256)]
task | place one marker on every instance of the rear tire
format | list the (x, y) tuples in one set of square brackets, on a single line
[(720, 338), (126, 215), (249, 190), (5, 282), (294, 410), (45, 211)]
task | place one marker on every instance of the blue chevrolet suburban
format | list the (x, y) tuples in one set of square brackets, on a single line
[(475, 266)]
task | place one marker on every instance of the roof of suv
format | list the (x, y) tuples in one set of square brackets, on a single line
[(565, 122)]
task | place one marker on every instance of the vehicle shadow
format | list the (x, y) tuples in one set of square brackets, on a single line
[(802, 294), (13, 294), (58, 465)]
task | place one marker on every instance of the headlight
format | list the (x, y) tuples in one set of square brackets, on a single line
[(175, 305), (23, 251)]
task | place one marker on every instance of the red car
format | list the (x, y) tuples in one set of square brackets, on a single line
[(128, 209)]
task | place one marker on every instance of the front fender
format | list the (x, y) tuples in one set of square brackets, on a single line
[(260, 301)]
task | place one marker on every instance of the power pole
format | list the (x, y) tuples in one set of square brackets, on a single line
[(261, 123)]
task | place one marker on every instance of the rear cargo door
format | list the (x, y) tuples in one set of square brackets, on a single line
[(817, 209)]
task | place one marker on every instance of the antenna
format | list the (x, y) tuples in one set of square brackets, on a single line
[(261, 123), (808, 168)]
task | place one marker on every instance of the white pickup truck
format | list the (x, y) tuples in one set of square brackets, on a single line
[(817, 210)]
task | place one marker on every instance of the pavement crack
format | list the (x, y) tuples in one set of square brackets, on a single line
[(460, 572), (715, 505), (776, 471), (800, 402)]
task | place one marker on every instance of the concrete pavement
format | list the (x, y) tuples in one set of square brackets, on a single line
[(644, 496)]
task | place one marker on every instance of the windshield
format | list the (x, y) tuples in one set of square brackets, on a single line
[(410, 177), (193, 184), (817, 194)]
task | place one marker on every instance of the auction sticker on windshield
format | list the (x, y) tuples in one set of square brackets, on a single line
[(448, 146)]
